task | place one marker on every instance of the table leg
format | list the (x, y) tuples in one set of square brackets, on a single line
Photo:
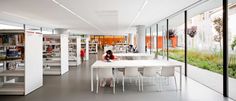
[(91, 79), (180, 77)]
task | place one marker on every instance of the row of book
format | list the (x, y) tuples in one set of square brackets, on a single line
[(12, 39)]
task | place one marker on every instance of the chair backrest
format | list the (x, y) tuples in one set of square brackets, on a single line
[(105, 73), (131, 71), (167, 71), (150, 71)]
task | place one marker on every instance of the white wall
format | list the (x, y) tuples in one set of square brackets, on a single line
[(64, 53), (33, 61)]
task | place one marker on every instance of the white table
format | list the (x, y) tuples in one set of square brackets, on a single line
[(134, 56), (131, 54), (133, 63)]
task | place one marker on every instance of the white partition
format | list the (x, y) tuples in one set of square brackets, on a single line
[(78, 42), (33, 61), (87, 48), (64, 53)]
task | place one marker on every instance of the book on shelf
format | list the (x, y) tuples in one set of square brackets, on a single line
[(12, 39)]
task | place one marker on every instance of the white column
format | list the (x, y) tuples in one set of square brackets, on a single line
[(87, 47), (64, 35), (131, 38), (141, 38), (78, 45)]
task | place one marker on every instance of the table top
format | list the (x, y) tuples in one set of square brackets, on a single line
[(131, 54), (133, 63)]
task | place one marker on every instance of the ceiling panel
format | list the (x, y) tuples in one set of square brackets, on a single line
[(90, 16)]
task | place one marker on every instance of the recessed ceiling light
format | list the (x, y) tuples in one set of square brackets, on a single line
[(138, 14)]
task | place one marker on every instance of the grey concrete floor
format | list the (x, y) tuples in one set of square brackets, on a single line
[(75, 86)]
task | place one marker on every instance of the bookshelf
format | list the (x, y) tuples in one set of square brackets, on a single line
[(85, 45), (55, 54), (74, 50), (93, 48), (20, 61)]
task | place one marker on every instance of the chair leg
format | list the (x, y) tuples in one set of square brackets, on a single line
[(114, 85), (97, 85), (168, 81), (153, 80), (142, 82), (117, 80), (161, 83), (138, 83), (123, 83), (175, 83)]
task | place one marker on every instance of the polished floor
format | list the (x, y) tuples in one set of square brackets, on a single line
[(75, 86)]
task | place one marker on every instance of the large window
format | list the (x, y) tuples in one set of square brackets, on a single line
[(148, 39), (204, 42), (153, 39), (232, 47), (162, 47), (176, 37)]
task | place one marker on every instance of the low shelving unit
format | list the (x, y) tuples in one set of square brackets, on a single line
[(55, 54), (20, 61), (74, 50), (93, 48)]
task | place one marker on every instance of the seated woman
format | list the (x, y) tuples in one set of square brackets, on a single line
[(107, 57)]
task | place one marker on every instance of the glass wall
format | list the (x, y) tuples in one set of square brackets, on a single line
[(204, 42), (153, 39), (232, 48), (162, 39), (147, 40), (176, 37)]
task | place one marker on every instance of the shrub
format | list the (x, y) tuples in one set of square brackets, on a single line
[(204, 60)]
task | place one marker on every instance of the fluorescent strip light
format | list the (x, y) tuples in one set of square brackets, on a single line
[(81, 18), (138, 14), (15, 15)]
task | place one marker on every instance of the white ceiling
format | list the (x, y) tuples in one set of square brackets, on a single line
[(90, 16)]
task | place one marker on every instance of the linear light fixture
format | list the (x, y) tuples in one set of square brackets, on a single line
[(15, 15), (138, 14), (78, 16)]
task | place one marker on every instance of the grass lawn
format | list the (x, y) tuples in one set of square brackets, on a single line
[(209, 61)]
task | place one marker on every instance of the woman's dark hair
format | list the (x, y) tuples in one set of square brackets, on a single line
[(109, 52), (110, 56)]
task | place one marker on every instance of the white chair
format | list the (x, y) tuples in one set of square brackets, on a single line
[(167, 72), (150, 72), (131, 72), (105, 73)]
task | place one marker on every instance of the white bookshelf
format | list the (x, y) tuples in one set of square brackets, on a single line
[(21, 66), (85, 45), (55, 54), (74, 50), (93, 48)]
